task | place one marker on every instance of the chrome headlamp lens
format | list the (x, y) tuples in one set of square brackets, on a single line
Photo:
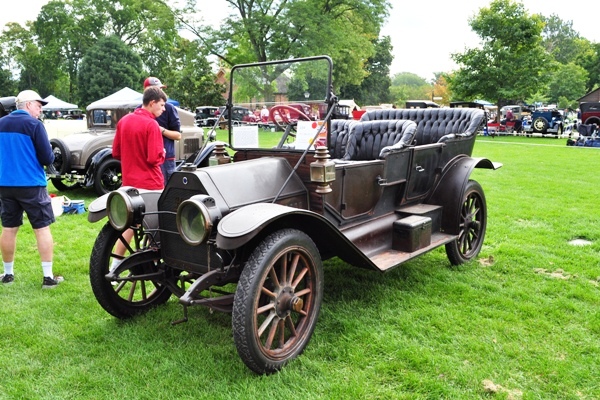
[(195, 219), (125, 208)]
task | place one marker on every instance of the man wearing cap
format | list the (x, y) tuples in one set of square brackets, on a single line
[(169, 127), (23, 184)]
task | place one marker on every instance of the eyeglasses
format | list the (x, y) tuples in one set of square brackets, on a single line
[(37, 103)]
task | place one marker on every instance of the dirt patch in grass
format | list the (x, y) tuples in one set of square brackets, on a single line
[(493, 388)]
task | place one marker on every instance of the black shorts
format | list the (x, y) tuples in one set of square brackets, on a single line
[(35, 201)]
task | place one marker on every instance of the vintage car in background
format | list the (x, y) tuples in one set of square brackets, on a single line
[(206, 115), (590, 112), (7, 105), (421, 104), (248, 233), (545, 121), (85, 158)]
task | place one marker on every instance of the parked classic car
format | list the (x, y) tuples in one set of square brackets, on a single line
[(85, 158), (7, 105), (206, 115), (590, 113), (546, 121), (249, 236)]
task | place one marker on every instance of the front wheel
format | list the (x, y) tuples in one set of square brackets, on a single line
[(277, 300), (108, 177), (137, 288), (472, 224)]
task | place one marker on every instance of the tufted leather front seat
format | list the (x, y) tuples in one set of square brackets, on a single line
[(434, 124), (370, 140)]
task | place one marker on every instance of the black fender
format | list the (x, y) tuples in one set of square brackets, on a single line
[(255, 221), (96, 160), (450, 188)]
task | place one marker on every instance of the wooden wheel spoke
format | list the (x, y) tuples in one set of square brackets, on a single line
[(272, 332), (283, 273), (290, 325), (267, 292), (274, 278), (132, 291), (299, 278), (281, 329), (294, 265), (266, 323), (265, 308)]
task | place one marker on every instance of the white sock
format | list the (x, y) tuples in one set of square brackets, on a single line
[(115, 263), (47, 268), (8, 268)]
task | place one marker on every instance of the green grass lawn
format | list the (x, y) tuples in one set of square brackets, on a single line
[(521, 322)]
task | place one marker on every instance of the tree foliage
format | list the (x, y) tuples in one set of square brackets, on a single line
[(568, 81), (375, 87), (108, 66), (263, 30), (409, 86), (511, 62)]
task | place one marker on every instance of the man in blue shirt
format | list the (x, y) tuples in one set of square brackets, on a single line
[(170, 127), (26, 149)]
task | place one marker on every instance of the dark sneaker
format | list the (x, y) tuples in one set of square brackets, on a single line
[(7, 279), (51, 283)]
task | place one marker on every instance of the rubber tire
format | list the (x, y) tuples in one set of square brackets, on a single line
[(543, 122), (105, 293), (111, 166), (249, 297), (472, 228), (64, 162)]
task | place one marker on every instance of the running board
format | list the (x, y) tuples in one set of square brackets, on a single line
[(388, 259)]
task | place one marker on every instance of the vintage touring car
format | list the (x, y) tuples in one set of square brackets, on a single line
[(249, 233)]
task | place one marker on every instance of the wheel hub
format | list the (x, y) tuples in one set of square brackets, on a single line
[(287, 302)]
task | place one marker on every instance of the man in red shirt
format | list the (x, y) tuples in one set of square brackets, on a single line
[(139, 145)]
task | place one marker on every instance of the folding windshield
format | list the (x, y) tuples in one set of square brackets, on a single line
[(279, 104)]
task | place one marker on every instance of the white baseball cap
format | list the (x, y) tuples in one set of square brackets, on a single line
[(30, 95)]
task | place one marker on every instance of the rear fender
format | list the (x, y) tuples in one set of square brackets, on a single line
[(247, 224), (449, 191)]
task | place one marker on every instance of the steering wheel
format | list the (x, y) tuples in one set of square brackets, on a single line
[(281, 116)]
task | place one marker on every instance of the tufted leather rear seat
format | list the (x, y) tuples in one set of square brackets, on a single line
[(434, 125), (370, 140)]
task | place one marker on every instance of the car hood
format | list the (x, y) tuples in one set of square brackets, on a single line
[(77, 141)]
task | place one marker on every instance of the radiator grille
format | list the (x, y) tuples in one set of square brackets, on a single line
[(176, 252)]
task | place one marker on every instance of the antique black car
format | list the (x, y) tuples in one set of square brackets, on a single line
[(249, 233)]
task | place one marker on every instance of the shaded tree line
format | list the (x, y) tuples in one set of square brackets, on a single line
[(82, 50)]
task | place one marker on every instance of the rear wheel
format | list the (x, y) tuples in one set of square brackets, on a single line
[(62, 156), (472, 225), (62, 185), (277, 300)]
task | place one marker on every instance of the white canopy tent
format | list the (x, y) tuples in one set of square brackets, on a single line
[(55, 104), (124, 98)]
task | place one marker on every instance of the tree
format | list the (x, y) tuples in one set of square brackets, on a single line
[(567, 81), (375, 88), (194, 83), (510, 64), (560, 39), (108, 66), (262, 30), (409, 86)]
